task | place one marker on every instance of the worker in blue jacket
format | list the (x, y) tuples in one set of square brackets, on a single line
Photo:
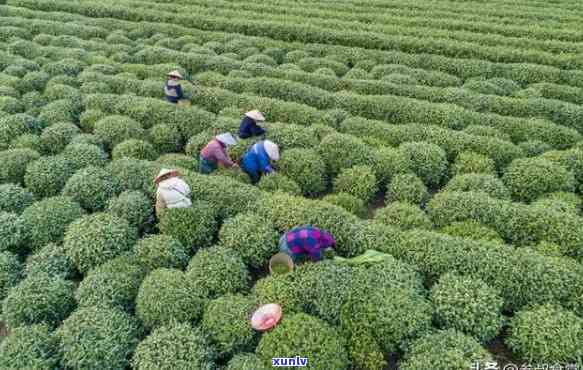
[(172, 88), (257, 160), (249, 126)]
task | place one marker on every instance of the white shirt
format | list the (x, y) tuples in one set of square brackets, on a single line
[(175, 193)]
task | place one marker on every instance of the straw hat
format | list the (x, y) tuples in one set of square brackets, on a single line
[(227, 138), (272, 150), (266, 317), (175, 74), (165, 172), (255, 115)]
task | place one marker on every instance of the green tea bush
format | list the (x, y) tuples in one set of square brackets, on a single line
[(10, 130), (261, 59), (27, 141), (134, 174), (56, 137), (195, 227), (167, 295), (489, 184), (445, 350), (47, 176), (59, 111), (38, 299), (134, 148), (178, 160), (52, 260), (326, 286), (391, 316), (96, 88), (341, 151), (10, 105), (235, 334), (161, 251), (165, 138), (282, 289), (254, 238), (33, 103), (407, 188), (14, 199), (349, 202), (306, 168), (10, 273), (109, 286), (133, 206), (561, 202), (571, 159), (356, 74), (176, 346), (279, 182), (12, 231), (31, 347), (85, 155), (428, 161), (389, 162), (226, 195), (404, 216), (97, 238), (472, 230), (486, 131), (246, 361), (45, 221), (34, 81), (470, 162), (99, 338), (236, 174), (546, 333), (534, 148), (219, 270), (89, 118), (529, 178), (113, 130), (14, 164), (312, 337), (69, 67), (87, 139), (56, 91), (92, 187), (467, 305), (359, 181)]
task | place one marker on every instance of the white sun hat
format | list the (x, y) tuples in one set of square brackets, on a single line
[(255, 115), (272, 150), (175, 74), (227, 139), (163, 172)]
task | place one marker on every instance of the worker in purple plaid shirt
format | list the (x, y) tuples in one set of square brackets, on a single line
[(306, 241)]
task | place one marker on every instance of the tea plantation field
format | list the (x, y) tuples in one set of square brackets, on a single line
[(446, 134)]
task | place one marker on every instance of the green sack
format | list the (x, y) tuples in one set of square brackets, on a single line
[(369, 257)]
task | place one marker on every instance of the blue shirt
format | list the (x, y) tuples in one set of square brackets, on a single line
[(256, 160)]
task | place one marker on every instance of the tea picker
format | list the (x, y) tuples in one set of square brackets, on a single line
[(215, 153), (172, 88), (306, 241), (172, 191), (249, 125), (257, 161)]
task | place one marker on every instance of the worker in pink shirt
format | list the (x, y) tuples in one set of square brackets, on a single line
[(215, 153)]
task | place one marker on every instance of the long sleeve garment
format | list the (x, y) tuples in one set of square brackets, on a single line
[(173, 91), (216, 152), (249, 128), (173, 193), (308, 240), (256, 161)]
